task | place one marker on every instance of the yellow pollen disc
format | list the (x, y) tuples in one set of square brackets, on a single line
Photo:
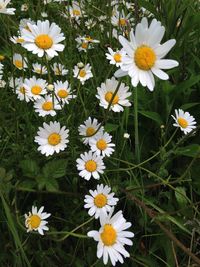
[(117, 57), (57, 71), (19, 40), (34, 221), (76, 12), (82, 73), (22, 90), (84, 45), (108, 97), (44, 41), (89, 39), (62, 93), (54, 139), (36, 90), (39, 71), (122, 22), (90, 166), (47, 106), (90, 131), (100, 200), (144, 57), (109, 235), (182, 122), (101, 144), (18, 64)]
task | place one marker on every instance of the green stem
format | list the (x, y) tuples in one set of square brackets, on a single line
[(137, 150)]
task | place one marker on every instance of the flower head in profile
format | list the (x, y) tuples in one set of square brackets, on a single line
[(39, 69), (4, 9), (144, 54), (184, 121), (112, 237), (42, 38), (35, 220), (19, 61), (59, 69), (100, 201), (18, 88), (52, 138)]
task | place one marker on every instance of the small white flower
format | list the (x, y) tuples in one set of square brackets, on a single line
[(112, 237), (89, 128), (115, 57), (39, 69), (100, 201), (18, 88), (16, 39), (46, 106), (101, 144), (106, 92), (83, 74), (119, 19), (35, 87), (4, 9), (90, 165), (75, 10), (52, 138), (19, 61), (84, 43), (24, 7), (126, 135), (35, 220), (63, 92), (184, 121), (59, 69)]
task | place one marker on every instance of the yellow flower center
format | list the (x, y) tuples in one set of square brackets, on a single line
[(90, 166), (18, 64), (2, 57), (101, 144), (84, 45), (182, 122), (44, 41), (109, 235), (54, 139), (36, 90), (100, 200), (76, 12), (117, 57), (22, 90), (82, 73), (57, 71), (89, 39), (62, 93), (19, 40), (47, 106), (34, 221), (90, 131), (108, 97), (39, 71), (144, 57), (122, 22)]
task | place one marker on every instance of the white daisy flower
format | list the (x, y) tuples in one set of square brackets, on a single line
[(16, 39), (24, 7), (83, 74), (145, 53), (106, 91), (84, 43), (43, 38), (35, 220), (4, 9), (90, 23), (46, 106), (18, 88), (100, 201), (115, 57), (184, 121), (101, 144), (88, 128), (35, 87), (112, 237), (59, 69), (63, 92), (119, 19), (39, 69), (90, 165), (52, 138), (75, 10), (19, 61)]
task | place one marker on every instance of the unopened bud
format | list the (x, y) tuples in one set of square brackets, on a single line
[(50, 87)]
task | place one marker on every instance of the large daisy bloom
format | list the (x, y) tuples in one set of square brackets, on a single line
[(43, 38), (4, 9), (106, 92), (184, 121), (19, 61), (35, 220), (101, 144), (90, 165), (83, 74), (63, 92), (46, 106), (112, 237), (52, 138), (145, 54), (35, 88), (100, 201), (88, 129)]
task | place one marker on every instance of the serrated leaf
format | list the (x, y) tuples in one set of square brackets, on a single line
[(180, 195), (152, 115), (189, 151), (52, 185), (55, 169), (29, 168), (28, 184)]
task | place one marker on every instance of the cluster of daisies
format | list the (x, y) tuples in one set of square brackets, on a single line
[(140, 57)]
